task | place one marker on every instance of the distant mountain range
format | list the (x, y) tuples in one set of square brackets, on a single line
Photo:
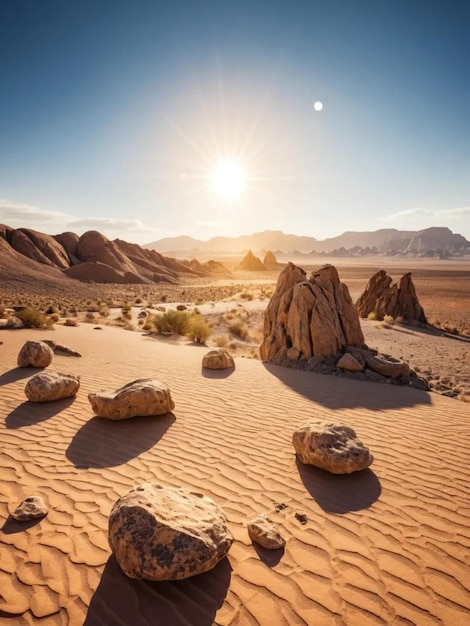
[(437, 242)]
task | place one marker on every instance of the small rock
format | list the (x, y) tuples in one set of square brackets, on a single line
[(164, 533), (218, 360), (58, 348), (32, 507), (97, 328), (35, 354), (263, 530), (143, 396), (302, 517), (280, 506), (348, 362), (181, 307), (332, 447), (48, 386)]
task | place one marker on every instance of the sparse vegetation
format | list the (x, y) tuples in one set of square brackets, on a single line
[(199, 328), (32, 318)]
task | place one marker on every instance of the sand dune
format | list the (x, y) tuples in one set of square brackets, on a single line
[(390, 545)]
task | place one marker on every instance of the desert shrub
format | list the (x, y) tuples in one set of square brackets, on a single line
[(126, 308), (172, 322), (138, 301), (70, 322), (389, 319), (372, 315), (147, 325), (55, 317), (239, 329), (199, 329), (90, 316), (50, 310), (32, 318), (127, 315), (220, 341)]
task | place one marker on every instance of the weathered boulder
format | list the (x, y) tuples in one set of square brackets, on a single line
[(263, 530), (348, 362), (32, 507), (270, 261), (163, 533), (399, 300), (48, 386), (392, 368), (35, 354), (218, 359), (59, 348), (143, 396), (251, 263), (332, 447), (315, 316)]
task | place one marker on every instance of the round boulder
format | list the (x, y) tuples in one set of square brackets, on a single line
[(218, 359), (143, 396), (32, 507), (35, 354), (263, 530), (332, 447), (48, 386), (164, 533)]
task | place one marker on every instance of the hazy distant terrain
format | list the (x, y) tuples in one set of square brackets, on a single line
[(439, 242)]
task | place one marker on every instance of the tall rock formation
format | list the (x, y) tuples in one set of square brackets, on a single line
[(382, 298), (251, 263), (270, 261), (309, 317)]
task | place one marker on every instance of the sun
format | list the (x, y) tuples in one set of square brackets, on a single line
[(228, 179)]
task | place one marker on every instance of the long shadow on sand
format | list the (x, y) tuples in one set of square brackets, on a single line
[(102, 442), (12, 526), (340, 493), (128, 602), (29, 413), (17, 373), (225, 373), (336, 392)]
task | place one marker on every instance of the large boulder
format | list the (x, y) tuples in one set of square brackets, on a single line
[(332, 447), (309, 316), (35, 354), (382, 298), (219, 359), (48, 386), (164, 533), (32, 507), (143, 396)]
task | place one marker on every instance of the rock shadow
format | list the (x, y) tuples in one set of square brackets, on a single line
[(14, 526), (336, 392), (269, 557), (29, 413), (123, 601), (224, 373), (340, 493), (17, 373), (102, 442)]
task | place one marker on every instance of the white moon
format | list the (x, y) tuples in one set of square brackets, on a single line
[(318, 106)]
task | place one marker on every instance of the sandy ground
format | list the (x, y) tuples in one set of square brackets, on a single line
[(389, 545)]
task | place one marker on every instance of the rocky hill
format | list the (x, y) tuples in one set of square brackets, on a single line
[(90, 257)]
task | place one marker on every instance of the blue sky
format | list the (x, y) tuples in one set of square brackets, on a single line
[(114, 116)]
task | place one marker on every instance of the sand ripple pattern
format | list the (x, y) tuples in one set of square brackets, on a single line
[(390, 545)]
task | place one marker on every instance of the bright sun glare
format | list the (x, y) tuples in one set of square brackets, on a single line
[(228, 179)]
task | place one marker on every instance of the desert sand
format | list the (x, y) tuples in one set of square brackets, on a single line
[(389, 545)]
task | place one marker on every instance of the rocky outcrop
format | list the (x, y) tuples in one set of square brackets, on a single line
[(139, 397), (270, 261), (263, 530), (399, 300), (163, 533), (35, 354), (309, 317), (251, 263), (218, 359), (32, 507), (332, 447), (59, 348), (48, 386)]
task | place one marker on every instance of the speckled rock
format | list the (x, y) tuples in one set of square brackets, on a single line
[(35, 354), (218, 359), (263, 530), (164, 533), (331, 447), (143, 396), (48, 386), (32, 507)]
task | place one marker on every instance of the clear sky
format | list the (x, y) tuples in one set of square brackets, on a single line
[(145, 119)]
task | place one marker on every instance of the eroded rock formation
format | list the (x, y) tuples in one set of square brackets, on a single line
[(382, 298), (309, 317), (32, 507), (164, 533), (270, 261), (251, 263)]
